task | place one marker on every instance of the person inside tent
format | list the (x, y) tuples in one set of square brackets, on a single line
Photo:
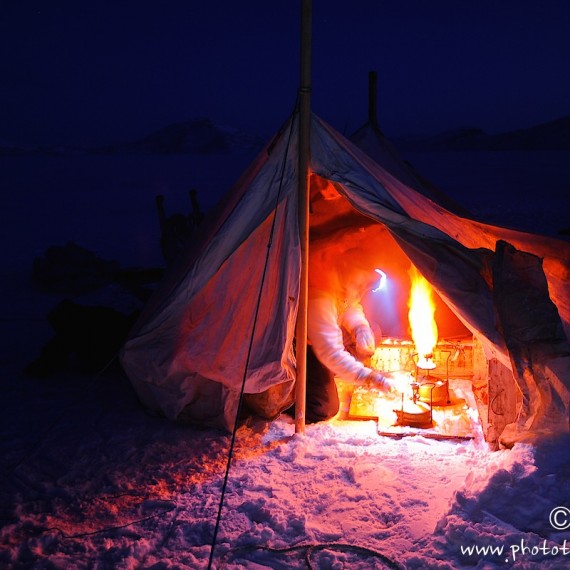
[(340, 339)]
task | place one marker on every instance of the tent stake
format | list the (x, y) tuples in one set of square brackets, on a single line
[(304, 160)]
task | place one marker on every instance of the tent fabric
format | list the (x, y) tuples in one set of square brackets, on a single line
[(187, 356), (469, 233), (371, 140), (532, 332), (197, 328)]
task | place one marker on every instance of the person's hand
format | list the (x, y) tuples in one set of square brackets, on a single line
[(364, 338), (383, 382)]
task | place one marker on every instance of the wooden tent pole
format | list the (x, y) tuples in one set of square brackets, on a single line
[(304, 161), (372, 99)]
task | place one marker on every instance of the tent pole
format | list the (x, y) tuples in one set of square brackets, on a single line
[(372, 99), (304, 160)]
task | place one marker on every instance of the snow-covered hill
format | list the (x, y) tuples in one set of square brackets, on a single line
[(553, 135), (199, 136), (196, 136)]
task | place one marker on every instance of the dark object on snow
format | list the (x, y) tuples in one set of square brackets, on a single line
[(71, 269), (176, 230), (140, 282), (196, 216), (87, 336)]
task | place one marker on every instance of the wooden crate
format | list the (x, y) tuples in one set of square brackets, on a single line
[(452, 358)]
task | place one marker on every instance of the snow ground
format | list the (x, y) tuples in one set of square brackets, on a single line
[(89, 480)]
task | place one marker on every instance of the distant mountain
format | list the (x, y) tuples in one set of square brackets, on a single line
[(199, 136), (203, 136), (12, 149), (547, 136), (554, 135)]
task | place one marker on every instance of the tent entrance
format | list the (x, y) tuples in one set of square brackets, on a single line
[(342, 237)]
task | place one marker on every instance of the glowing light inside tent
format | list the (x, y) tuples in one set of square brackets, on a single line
[(421, 316), (382, 282)]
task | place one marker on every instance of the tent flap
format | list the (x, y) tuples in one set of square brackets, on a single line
[(534, 336)]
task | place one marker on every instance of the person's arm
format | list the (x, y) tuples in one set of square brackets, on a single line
[(325, 336), (356, 323)]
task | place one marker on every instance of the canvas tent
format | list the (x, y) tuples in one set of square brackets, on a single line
[(232, 300)]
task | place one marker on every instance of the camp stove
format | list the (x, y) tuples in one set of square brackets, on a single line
[(427, 391)]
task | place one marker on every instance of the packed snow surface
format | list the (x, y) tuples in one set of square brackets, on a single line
[(92, 481)]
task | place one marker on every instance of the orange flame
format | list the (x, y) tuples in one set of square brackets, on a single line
[(421, 317)]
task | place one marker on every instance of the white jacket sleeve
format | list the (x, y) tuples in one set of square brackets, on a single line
[(325, 336), (353, 318)]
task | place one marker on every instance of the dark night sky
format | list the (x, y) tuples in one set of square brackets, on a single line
[(91, 72)]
